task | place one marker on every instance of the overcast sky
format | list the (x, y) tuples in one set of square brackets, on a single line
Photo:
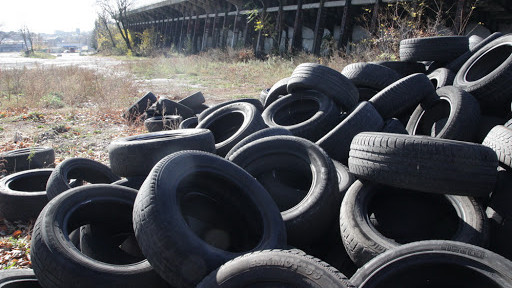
[(46, 16)]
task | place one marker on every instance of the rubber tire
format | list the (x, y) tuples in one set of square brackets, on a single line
[(441, 77), (26, 158), (77, 168), (278, 89), (308, 114), (345, 178), (402, 95), (456, 64), (181, 256), (415, 262), (267, 268), (364, 241), (193, 101), (423, 163), (263, 133), (441, 49), (168, 107), (18, 278), (232, 123), (138, 109), (212, 109), (189, 123), (58, 263), (366, 94), (462, 118), (136, 155), (487, 76), (160, 123), (404, 68), (499, 140), (23, 195), (370, 75), (312, 76), (309, 218), (337, 142)]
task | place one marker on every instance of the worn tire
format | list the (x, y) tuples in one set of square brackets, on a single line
[(267, 132), (269, 268), (402, 95), (302, 166), (23, 194), (436, 263), (26, 158), (77, 168), (456, 64), (487, 76), (424, 163), (212, 109), (278, 89), (232, 123), (455, 115), (370, 75), (441, 77), (439, 48), (138, 109), (394, 125), (312, 76), (337, 142), (168, 107), (136, 155), (308, 114), (404, 68), (58, 263), (160, 123), (193, 101), (217, 212), (401, 219), (499, 139)]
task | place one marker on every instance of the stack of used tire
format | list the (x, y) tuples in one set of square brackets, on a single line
[(395, 173)]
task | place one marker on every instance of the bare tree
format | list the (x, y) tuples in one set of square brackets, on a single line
[(118, 10), (103, 20), (27, 38)]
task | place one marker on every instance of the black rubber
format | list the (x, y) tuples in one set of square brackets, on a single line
[(454, 115), (160, 123), (441, 77), (345, 178), (366, 94), (404, 68), (370, 75), (436, 263), (487, 76), (168, 107), (26, 158), (394, 125), (376, 218), (424, 163), (308, 114), (58, 263), (189, 123), (267, 132), (486, 124), (232, 123), (278, 89), (312, 76), (499, 139), (217, 212), (269, 268), (193, 101), (439, 48), (18, 278), (211, 109), (23, 194), (337, 142), (77, 168), (304, 167), (138, 109), (136, 155), (402, 95)]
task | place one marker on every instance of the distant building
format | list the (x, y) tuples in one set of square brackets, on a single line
[(9, 45)]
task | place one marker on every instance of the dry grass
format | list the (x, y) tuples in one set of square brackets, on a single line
[(58, 87)]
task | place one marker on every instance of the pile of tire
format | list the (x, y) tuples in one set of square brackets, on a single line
[(388, 174)]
